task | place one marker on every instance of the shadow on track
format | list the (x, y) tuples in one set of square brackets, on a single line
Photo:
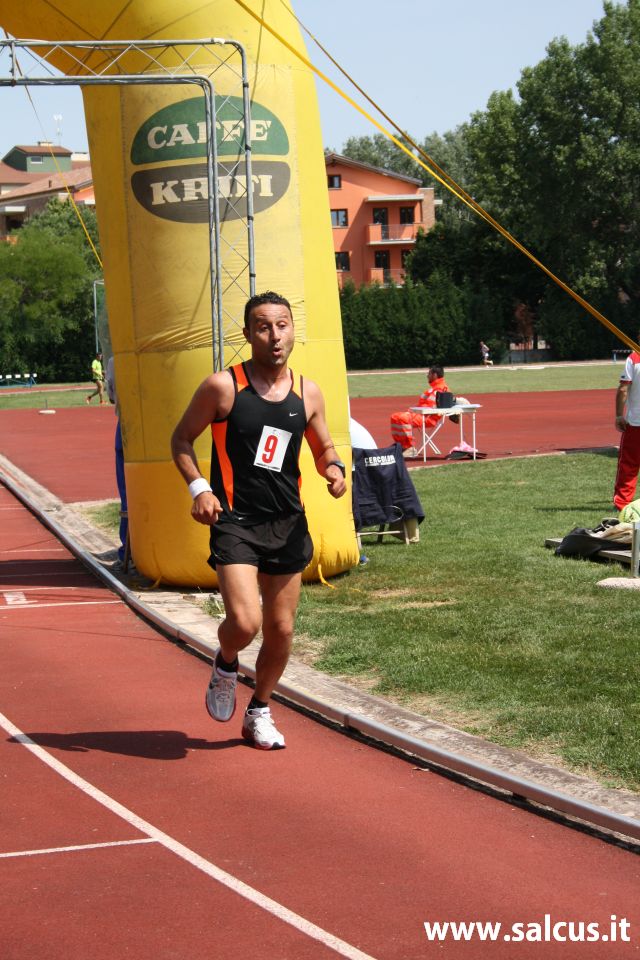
[(150, 744)]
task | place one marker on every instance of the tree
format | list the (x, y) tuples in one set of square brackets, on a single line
[(558, 169), (46, 296), (450, 152), (379, 151)]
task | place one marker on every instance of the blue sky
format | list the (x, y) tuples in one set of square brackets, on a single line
[(430, 68)]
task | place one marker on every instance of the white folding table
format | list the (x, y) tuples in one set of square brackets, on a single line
[(429, 433)]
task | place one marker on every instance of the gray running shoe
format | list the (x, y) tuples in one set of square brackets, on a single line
[(221, 694), (258, 728)]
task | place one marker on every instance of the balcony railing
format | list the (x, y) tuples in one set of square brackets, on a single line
[(392, 232), (386, 275)]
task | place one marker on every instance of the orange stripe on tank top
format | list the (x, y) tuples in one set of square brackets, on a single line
[(219, 434), (241, 377)]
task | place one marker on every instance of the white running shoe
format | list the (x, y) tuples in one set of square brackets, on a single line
[(221, 694), (258, 728), (410, 453)]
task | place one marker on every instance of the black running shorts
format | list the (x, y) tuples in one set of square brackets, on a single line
[(275, 547)]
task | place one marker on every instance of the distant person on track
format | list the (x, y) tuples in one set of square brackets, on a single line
[(97, 375), (404, 421), (628, 423), (258, 412), (484, 351)]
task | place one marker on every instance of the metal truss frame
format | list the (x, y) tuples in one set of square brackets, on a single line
[(167, 62)]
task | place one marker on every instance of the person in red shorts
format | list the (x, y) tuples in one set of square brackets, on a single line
[(403, 422), (258, 412), (628, 423)]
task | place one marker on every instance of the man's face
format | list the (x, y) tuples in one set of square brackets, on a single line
[(271, 334), (431, 376)]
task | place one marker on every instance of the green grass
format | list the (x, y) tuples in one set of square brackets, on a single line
[(492, 380), (106, 516), (464, 382), (480, 626), (44, 399)]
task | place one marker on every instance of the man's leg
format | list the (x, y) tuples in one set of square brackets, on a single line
[(122, 491), (280, 596), (628, 466), (238, 584), (402, 428)]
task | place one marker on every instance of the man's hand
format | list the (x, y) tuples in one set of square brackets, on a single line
[(336, 483), (206, 508), (621, 424)]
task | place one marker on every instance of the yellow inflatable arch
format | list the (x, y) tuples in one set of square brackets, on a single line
[(149, 165)]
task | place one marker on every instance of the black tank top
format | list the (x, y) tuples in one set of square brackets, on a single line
[(255, 452)]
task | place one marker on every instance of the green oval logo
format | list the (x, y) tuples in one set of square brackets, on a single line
[(179, 132), (180, 193)]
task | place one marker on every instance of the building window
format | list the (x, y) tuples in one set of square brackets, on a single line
[(35, 159), (407, 215), (335, 181), (381, 259), (381, 215), (342, 261), (339, 218)]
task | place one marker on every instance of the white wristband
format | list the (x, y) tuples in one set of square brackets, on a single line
[(198, 486)]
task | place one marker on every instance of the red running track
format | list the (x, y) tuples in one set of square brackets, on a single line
[(71, 452), (512, 424), (359, 843)]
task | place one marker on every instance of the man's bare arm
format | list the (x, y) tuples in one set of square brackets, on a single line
[(621, 403), (212, 399)]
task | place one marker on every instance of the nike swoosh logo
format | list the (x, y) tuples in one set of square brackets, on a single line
[(293, 414)]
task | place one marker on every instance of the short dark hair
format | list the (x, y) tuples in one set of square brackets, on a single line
[(261, 298), (439, 371)]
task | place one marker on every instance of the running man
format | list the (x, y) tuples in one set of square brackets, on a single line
[(258, 412), (484, 351)]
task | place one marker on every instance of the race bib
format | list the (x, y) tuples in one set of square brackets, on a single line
[(272, 448)]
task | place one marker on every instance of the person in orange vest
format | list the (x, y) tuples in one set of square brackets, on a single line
[(403, 422)]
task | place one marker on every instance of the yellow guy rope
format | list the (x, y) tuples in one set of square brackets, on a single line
[(431, 167), (60, 173)]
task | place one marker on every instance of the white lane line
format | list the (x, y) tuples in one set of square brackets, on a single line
[(276, 909), (79, 846), (71, 603), (14, 596), (50, 549), (10, 577), (42, 589)]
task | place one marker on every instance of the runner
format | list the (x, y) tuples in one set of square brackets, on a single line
[(258, 412)]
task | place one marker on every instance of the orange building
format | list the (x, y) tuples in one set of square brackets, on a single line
[(376, 215)]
